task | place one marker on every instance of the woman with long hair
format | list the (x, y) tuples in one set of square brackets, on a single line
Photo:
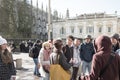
[(45, 60), (57, 57), (7, 68)]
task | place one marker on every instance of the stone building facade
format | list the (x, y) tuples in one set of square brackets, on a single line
[(93, 24)]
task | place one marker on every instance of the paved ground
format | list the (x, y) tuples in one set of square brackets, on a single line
[(26, 73)]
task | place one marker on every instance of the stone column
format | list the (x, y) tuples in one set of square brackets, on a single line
[(76, 30), (104, 29), (84, 29), (95, 30), (114, 27)]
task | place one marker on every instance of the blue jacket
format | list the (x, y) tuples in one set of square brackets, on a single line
[(86, 52)]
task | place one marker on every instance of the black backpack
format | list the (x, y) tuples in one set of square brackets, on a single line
[(31, 54)]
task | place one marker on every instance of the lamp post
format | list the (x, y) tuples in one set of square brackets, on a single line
[(49, 21)]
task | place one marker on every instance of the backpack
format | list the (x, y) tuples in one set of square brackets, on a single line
[(31, 54)]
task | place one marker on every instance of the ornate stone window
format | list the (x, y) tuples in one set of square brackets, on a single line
[(72, 29), (109, 29), (80, 30), (62, 30), (119, 30), (90, 29), (100, 25), (100, 29)]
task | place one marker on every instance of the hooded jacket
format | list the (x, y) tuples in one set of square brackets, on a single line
[(103, 48)]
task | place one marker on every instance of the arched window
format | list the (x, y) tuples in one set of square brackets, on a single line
[(119, 30), (62, 30), (80, 30), (100, 26), (72, 29), (90, 29), (109, 29), (100, 29)]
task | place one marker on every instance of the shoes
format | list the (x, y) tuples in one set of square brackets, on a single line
[(38, 75)]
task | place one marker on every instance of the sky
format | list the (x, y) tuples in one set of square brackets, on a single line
[(77, 7)]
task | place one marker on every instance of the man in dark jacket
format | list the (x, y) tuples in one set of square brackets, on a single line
[(68, 48), (86, 54), (115, 42)]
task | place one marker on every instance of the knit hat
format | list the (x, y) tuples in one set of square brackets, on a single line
[(115, 36), (2, 41)]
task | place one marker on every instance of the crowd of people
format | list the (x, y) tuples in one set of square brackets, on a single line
[(90, 59)]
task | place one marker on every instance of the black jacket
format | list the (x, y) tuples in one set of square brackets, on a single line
[(36, 50), (86, 52), (68, 52), (6, 70)]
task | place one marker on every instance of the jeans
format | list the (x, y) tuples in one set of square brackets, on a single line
[(36, 69), (86, 66)]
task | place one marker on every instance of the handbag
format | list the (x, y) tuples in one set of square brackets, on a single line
[(58, 73)]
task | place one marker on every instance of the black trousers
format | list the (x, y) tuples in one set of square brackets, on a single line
[(74, 74)]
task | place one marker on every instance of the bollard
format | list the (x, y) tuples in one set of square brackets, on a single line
[(19, 63)]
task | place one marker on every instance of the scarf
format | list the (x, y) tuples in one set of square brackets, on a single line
[(46, 57)]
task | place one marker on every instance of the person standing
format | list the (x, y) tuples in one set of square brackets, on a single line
[(118, 50), (75, 59), (36, 49), (7, 68), (68, 48), (58, 57), (45, 60), (115, 42), (86, 54)]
